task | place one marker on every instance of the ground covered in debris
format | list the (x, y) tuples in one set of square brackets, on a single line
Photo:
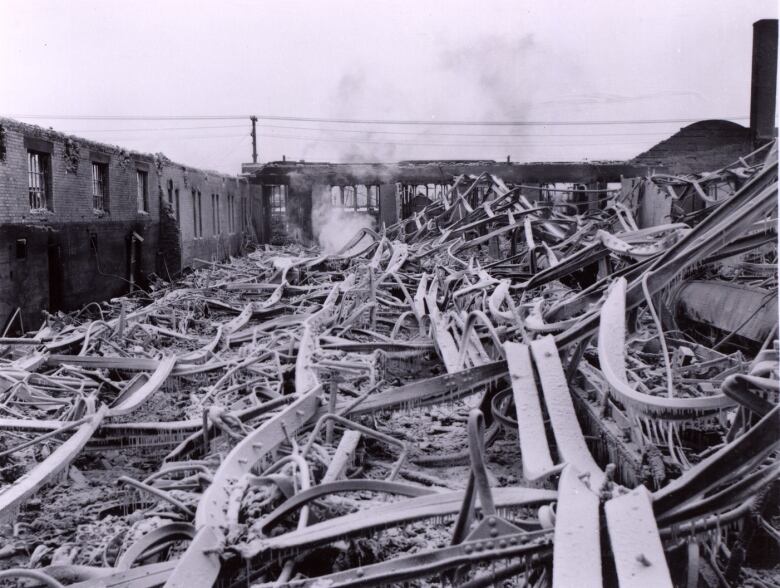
[(495, 391)]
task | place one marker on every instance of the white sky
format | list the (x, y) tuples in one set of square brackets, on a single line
[(546, 60)]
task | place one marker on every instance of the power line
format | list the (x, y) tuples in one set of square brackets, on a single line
[(389, 142), (155, 129), (487, 123), (449, 144), (373, 132), (227, 155), (432, 122), (233, 136), (130, 117), (425, 133)]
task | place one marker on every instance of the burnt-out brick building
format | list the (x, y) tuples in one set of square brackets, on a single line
[(288, 197), (82, 221)]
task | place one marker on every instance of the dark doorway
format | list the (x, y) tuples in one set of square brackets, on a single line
[(56, 273), (134, 260)]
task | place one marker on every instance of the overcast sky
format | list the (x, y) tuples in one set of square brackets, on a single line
[(401, 60)]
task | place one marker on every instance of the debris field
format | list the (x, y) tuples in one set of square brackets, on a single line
[(496, 391)]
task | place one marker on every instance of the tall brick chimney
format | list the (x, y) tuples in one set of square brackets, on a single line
[(763, 85)]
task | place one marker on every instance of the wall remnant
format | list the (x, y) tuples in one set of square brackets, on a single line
[(77, 253), (71, 155)]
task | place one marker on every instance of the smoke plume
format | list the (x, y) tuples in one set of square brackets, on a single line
[(333, 227)]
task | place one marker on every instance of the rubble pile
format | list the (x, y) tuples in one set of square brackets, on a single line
[(494, 390)]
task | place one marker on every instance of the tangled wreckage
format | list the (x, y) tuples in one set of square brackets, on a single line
[(494, 391)]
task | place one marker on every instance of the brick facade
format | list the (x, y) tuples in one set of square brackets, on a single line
[(69, 253), (71, 179), (216, 242)]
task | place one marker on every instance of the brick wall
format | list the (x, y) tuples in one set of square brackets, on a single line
[(71, 179), (169, 259), (70, 254), (217, 240)]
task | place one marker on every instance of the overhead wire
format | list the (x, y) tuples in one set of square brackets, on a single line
[(229, 153), (369, 133), (440, 144), (155, 129), (315, 139), (432, 121), (319, 139), (394, 142), (484, 123), (433, 134), (367, 137), (232, 136), (374, 131)]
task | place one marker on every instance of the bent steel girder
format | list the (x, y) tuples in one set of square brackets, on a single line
[(704, 240), (13, 495), (438, 505), (729, 462), (532, 548), (534, 449), (302, 498), (196, 563), (635, 542), (612, 347), (577, 542)]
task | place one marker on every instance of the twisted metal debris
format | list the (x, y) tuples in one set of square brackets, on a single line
[(495, 390)]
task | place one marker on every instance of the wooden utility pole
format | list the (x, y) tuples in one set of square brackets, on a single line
[(254, 138)]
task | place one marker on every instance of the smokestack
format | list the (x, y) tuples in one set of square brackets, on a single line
[(763, 85)]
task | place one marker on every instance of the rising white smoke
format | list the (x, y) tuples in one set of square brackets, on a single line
[(334, 227)]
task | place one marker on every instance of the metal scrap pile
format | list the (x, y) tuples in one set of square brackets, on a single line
[(493, 391)]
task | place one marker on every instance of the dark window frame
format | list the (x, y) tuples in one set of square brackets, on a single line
[(197, 214), (337, 196), (39, 180), (231, 213), (216, 224), (100, 192), (142, 187), (278, 208), (373, 197), (200, 214), (362, 198)]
